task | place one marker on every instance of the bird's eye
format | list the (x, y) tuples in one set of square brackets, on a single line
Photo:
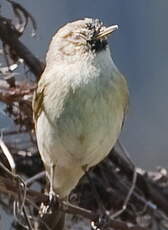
[(79, 35)]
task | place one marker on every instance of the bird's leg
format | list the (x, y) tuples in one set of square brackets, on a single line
[(103, 217), (52, 203), (51, 179)]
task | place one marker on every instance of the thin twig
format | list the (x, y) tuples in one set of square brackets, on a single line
[(6, 29), (8, 155)]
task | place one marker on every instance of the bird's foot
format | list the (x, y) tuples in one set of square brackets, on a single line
[(53, 199), (47, 207), (101, 222), (52, 196)]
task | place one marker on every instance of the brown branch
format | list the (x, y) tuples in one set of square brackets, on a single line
[(9, 95), (150, 189), (11, 188), (23, 16), (10, 36)]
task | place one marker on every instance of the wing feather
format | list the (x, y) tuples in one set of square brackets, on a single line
[(38, 99)]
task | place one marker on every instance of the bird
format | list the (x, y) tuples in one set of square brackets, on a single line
[(80, 103)]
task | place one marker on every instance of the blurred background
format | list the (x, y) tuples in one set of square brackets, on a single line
[(139, 49)]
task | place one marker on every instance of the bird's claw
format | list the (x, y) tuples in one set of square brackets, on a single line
[(52, 196), (101, 222)]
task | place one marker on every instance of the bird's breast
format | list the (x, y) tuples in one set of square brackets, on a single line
[(90, 121)]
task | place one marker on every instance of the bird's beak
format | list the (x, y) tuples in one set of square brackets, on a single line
[(106, 31)]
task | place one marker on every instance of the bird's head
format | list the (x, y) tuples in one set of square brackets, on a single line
[(80, 37)]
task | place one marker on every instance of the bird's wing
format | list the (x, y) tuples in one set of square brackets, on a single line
[(124, 93), (37, 103), (125, 97)]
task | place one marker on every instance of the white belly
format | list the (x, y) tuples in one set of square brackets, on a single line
[(82, 119), (89, 128), (82, 136)]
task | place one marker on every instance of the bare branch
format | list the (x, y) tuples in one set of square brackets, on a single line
[(8, 155), (11, 188), (10, 36), (23, 17), (150, 189), (9, 95)]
